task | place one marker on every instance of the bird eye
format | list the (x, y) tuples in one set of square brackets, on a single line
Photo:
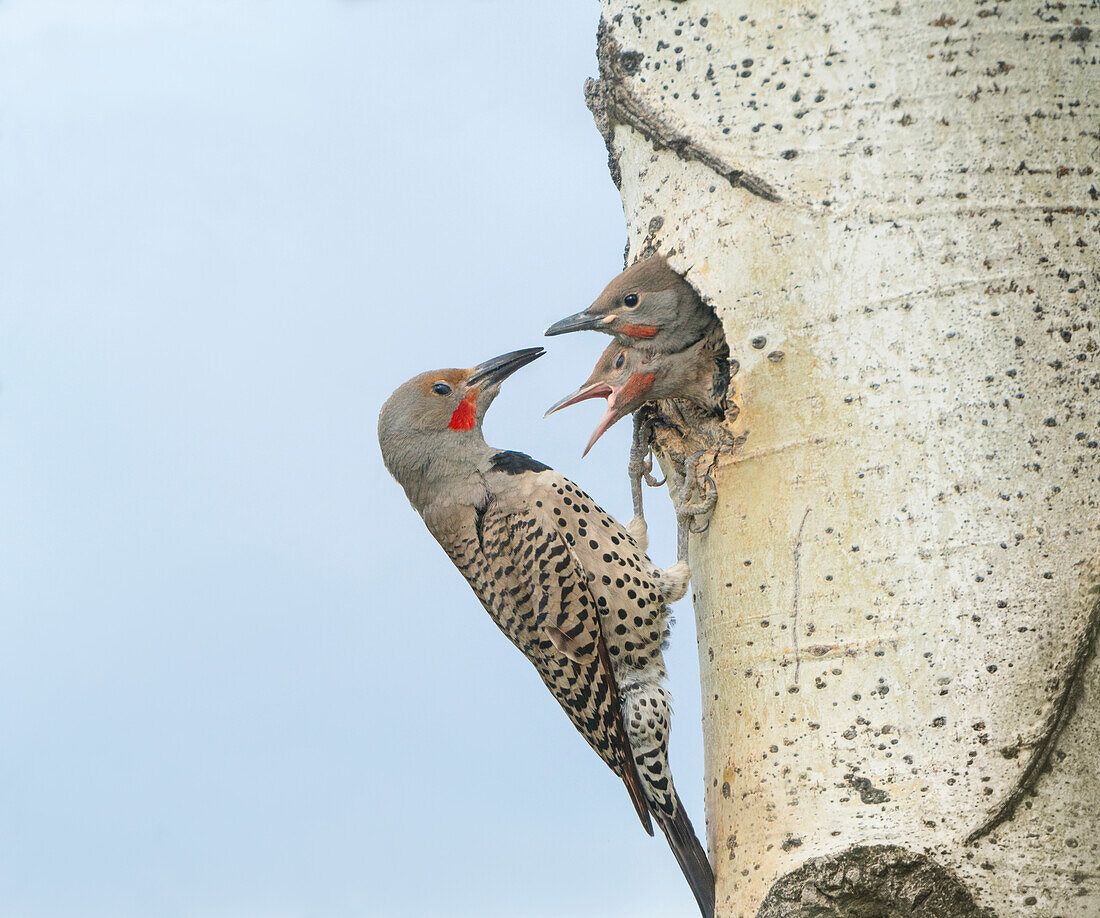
[(630, 300), (441, 388), (619, 363)]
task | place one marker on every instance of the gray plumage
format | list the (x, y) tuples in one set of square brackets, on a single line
[(561, 578), (649, 306)]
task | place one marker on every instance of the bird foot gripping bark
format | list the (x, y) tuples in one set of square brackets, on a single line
[(674, 579), (694, 500), (639, 469), (694, 494)]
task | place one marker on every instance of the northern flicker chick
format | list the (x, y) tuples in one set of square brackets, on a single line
[(562, 579), (628, 377), (648, 305)]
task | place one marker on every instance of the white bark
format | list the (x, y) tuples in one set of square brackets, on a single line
[(893, 598)]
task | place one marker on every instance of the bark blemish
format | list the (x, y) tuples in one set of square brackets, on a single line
[(886, 881), (1061, 710), (650, 245), (611, 102), (867, 791), (797, 592), (791, 841)]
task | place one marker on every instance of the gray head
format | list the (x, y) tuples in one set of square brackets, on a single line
[(649, 305), (430, 427)]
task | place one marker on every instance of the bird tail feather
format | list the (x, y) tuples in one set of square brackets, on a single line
[(690, 855)]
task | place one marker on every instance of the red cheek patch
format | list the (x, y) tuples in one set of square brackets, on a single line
[(639, 331), (637, 385), (465, 414)]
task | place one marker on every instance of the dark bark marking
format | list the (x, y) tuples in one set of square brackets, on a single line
[(797, 592), (1061, 711), (871, 881), (867, 791), (611, 102), (650, 245)]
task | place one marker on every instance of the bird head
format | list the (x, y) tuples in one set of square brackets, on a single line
[(649, 305), (625, 376), (441, 411)]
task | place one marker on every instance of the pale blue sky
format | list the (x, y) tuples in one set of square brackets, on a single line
[(238, 679)]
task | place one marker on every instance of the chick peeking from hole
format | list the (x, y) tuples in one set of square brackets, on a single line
[(668, 345)]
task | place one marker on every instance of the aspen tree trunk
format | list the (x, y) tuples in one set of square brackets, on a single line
[(894, 210)]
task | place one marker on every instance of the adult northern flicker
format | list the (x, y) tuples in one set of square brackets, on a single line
[(648, 305), (562, 579)]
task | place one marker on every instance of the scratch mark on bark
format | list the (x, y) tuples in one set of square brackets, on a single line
[(782, 447), (1061, 711), (797, 592), (611, 102)]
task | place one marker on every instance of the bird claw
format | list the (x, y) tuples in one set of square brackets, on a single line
[(638, 469), (650, 480), (640, 464), (704, 506), (693, 513), (642, 469), (694, 495)]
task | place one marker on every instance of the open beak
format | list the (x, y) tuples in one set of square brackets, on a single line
[(621, 401), (493, 372), (610, 416), (593, 390), (587, 391), (582, 321)]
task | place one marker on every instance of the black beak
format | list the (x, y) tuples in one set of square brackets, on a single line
[(495, 371), (582, 321)]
